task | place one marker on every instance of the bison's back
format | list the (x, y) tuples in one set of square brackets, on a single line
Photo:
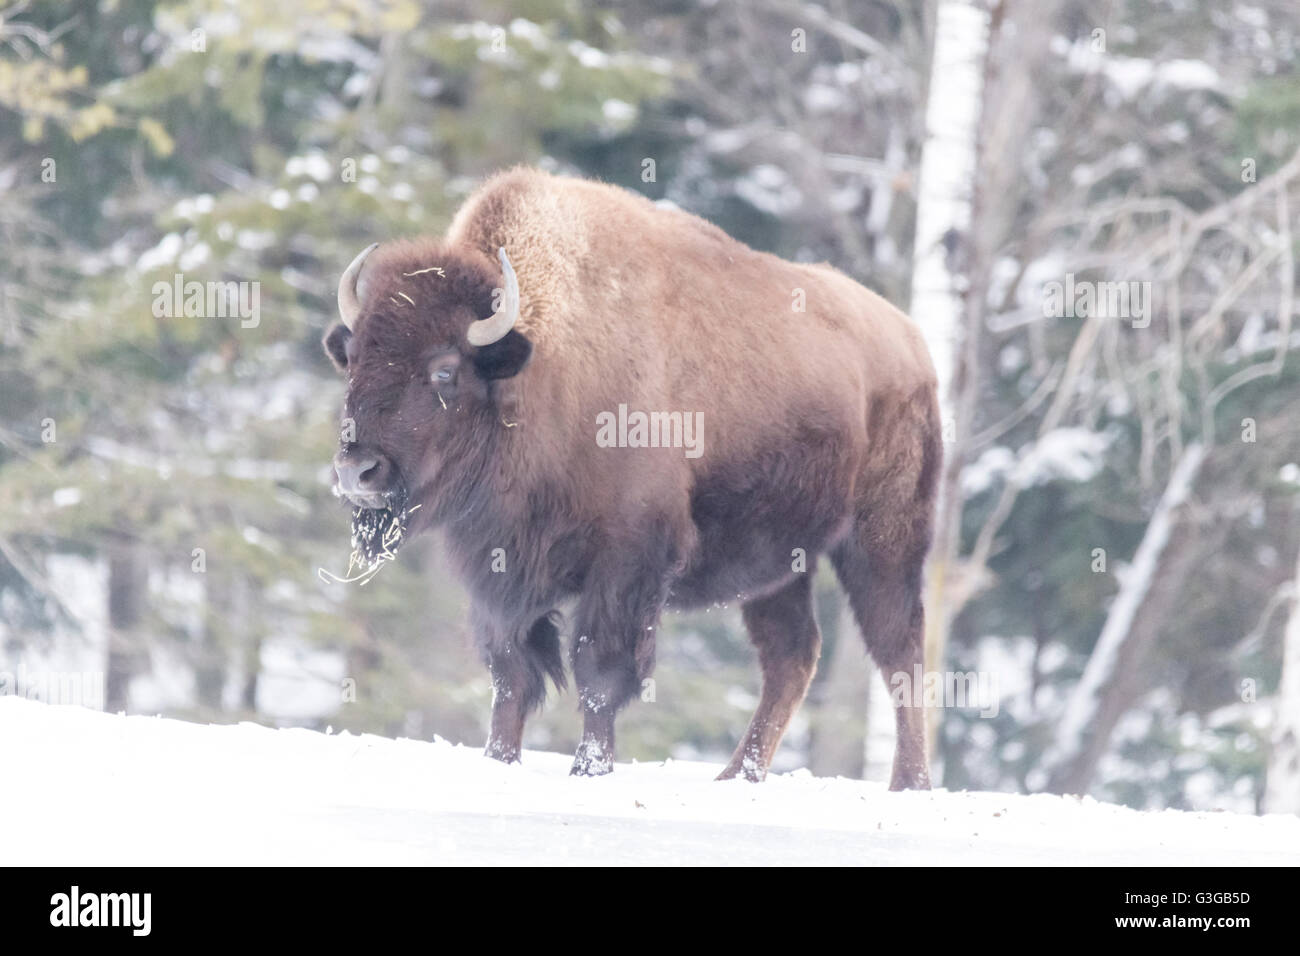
[(610, 278)]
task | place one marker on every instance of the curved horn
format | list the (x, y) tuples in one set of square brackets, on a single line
[(494, 328), (349, 303)]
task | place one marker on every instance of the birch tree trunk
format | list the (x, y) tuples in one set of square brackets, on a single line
[(946, 183), (881, 738), (1282, 794), (944, 212), (838, 715)]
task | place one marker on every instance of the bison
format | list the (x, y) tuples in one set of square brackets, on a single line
[(483, 369)]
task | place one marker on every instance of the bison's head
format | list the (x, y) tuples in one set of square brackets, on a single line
[(426, 339)]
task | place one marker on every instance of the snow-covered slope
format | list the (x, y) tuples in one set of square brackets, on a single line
[(83, 788)]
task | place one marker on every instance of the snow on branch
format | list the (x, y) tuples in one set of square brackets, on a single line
[(1135, 583)]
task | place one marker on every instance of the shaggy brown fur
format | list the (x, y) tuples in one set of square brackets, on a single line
[(820, 435)]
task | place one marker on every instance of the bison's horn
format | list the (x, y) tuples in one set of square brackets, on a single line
[(349, 303), (494, 328)]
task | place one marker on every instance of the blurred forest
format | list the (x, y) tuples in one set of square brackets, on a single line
[(1120, 537)]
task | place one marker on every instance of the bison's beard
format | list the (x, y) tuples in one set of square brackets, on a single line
[(377, 533)]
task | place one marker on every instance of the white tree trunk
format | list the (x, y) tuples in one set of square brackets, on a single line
[(944, 203), (946, 186), (882, 732), (1283, 792), (1135, 583)]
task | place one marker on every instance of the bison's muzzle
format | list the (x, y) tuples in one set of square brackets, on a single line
[(364, 480)]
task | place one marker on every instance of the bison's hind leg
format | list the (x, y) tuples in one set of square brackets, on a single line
[(881, 560), (880, 564), (784, 631), (885, 593)]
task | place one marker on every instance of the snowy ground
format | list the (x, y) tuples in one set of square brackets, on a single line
[(86, 788)]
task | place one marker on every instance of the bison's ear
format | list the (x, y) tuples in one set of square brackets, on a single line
[(505, 357), (336, 345)]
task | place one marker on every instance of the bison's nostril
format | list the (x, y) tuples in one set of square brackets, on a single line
[(369, 474), (360, 476)]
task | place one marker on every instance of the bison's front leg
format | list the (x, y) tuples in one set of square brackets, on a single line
[(614, 648), (510, 706), (519, 660)]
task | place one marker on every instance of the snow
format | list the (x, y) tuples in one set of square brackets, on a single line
[(588, 56), (530, 31), (192, 207), (820, 98), (66, 497), (1063, 454), (618, 112), (1132, 76), (314, 164), (769, 189), (164, 253), (1284, 760), (103, 789), (297, 681)]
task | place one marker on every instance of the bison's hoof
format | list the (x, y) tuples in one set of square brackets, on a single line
[(750, 773), (504, 754), (591, 762), (749, 767), (909, 779)]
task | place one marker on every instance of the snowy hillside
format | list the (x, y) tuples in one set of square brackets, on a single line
[(90, 788)]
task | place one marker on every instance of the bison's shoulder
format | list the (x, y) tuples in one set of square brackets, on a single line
[(525, 201)]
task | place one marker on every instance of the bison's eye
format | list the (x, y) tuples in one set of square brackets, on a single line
[(442, 371)]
